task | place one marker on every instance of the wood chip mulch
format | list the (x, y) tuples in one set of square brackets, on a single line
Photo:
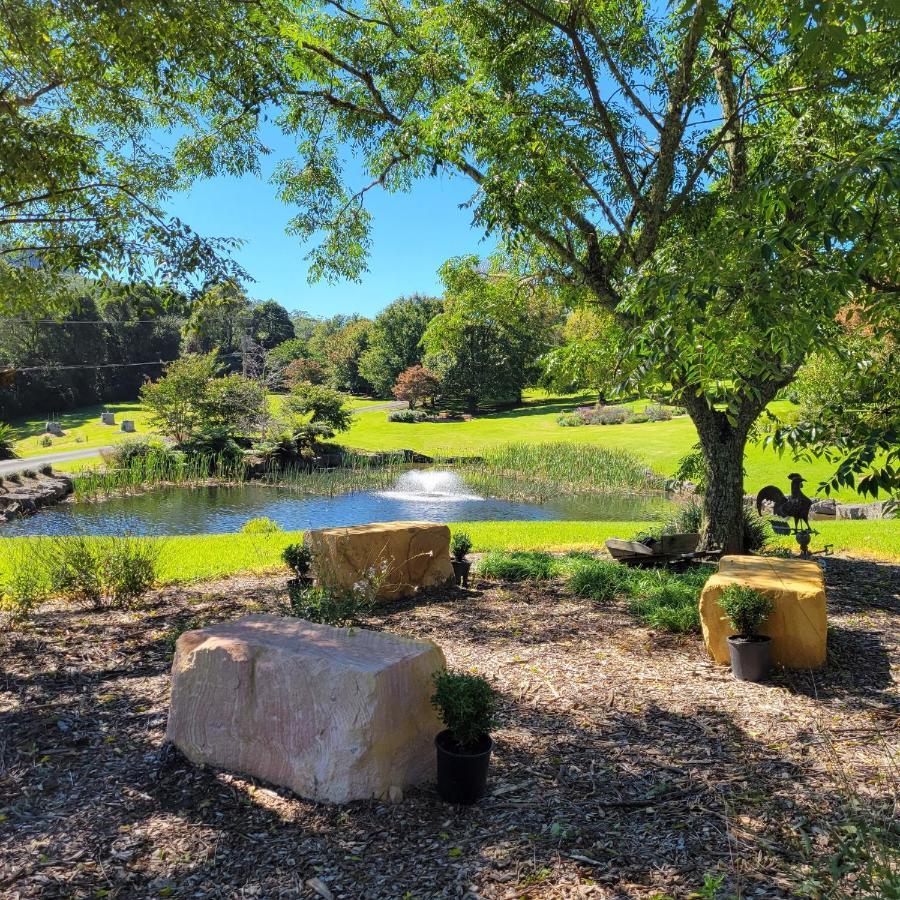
[(626, 764)]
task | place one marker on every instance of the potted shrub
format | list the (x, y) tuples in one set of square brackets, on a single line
[(747, 610), (299, 559), (460, 545), (466, 704)]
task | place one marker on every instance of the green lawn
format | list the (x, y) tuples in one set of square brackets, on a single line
[(82, 428), (660, 444), (216, 555)]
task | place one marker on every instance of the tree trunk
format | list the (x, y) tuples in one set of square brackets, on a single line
[(472, 405), (723, 452)]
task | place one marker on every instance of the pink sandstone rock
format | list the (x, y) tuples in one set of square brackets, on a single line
[(334, 714)]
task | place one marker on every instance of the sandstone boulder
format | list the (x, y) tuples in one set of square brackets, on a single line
[(798, 626), (334, 714), (409, 556)]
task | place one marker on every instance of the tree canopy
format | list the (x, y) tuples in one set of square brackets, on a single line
[(662, 156), (395, 340), (104, 111)]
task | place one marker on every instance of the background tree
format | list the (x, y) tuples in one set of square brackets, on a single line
[(592, 355), (86, 92), (648, 152), (849, 411), (304, 371), (192, 402), (270, 324), (114, 337), (395, 340), (338, 343), (316, 412), (417, 385), (486, 342), (220, 319)]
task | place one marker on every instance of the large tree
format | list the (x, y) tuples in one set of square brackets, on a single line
[(89, 91), (648, 152), (395, 340), (494, 327)]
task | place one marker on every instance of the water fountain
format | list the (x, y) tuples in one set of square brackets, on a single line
[(435, 485)]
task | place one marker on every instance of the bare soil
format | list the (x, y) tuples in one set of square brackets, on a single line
[(626, 764)]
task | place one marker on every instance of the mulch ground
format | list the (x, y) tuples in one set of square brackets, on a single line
[(626, 764)]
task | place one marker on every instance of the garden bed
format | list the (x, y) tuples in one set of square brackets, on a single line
[(626, 763)]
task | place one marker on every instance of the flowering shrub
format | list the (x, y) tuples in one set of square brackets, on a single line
[(656, 412), (595, 415)]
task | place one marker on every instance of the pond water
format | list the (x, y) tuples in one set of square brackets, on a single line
[(428, 495)]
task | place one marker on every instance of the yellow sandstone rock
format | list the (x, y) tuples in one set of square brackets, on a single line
[(409, 556), (798, 626)]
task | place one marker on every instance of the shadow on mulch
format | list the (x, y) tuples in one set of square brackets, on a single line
[(607, 792)]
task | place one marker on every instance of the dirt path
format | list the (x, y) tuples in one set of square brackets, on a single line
[(626, 764)]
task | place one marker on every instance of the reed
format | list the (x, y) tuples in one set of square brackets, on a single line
[(543, 471), (143, 472)]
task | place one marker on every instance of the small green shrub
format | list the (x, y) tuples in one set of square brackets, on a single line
[(25, 586), (745, 609), (327, 607), (74, 569), (29, 473), (260, 525), (128, 569), (460, 544), (123, 454), (297, 557), (111, 571), (7, 441), (46, 441), (46, 469), (757, 531), (518, 565), (14, 477), (410, 416), (599, 579), (466, 704), (637, 418)]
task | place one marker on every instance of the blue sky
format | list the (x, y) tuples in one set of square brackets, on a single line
[(413, 235)]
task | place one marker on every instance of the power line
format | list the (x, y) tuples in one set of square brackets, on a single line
[(15, 370), (174, 320)]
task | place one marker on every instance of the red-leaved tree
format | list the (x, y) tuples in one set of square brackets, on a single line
[(417, 384)]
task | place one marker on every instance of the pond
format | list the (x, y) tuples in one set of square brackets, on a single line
[(429, 495)]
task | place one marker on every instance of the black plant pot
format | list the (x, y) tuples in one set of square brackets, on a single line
[(462, 775), (461, 571), (751, 657)]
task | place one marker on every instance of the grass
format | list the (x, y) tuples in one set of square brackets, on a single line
[(82, 428), (199, 557), (659, 444)]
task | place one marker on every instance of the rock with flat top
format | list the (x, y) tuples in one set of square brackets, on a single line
[(798, 626), (405, 556), (334, 714)]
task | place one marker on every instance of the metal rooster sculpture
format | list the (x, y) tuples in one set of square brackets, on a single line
[(796, 506)]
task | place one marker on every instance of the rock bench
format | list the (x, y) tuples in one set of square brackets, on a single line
[(798, 626), (334, 714), (412, 555)]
